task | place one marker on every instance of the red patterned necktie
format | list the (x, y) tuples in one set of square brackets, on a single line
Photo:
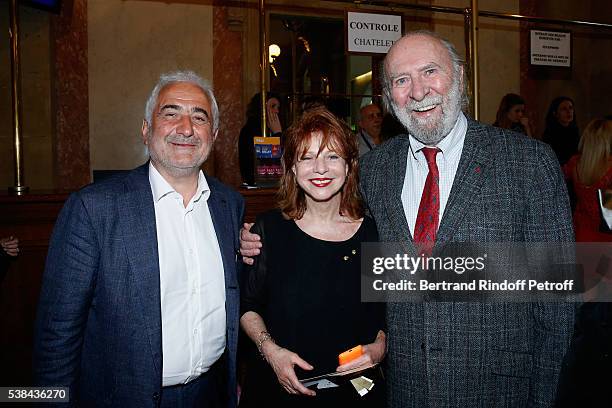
[(429, 208)]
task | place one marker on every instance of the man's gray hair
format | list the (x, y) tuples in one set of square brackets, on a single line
[(456, 60), (182, 76), (360, 116)]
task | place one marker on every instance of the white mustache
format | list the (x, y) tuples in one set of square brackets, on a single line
[(432, 100)]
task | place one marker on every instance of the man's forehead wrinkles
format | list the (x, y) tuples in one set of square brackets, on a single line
[(179, 103), (398, 74), (402, 68), (431, 64)]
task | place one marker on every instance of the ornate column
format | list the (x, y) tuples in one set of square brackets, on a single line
[(227, 81), (70, 95)]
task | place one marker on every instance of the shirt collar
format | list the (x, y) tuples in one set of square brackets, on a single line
[(448, 145), (161, 188), (367, 137)]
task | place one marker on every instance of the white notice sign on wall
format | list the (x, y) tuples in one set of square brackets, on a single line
[(372, 33), (551, 48)]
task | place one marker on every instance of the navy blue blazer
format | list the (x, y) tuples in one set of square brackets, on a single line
[(98, 328)]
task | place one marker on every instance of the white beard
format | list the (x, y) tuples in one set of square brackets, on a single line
[(430, 131)]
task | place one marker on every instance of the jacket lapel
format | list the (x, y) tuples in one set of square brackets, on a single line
[(473, 166), (137, 217), (395, 169), (221, 217)]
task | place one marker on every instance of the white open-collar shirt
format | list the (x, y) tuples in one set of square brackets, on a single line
[(192, 280)]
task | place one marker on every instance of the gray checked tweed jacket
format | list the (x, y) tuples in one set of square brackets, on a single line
[(508, 188)]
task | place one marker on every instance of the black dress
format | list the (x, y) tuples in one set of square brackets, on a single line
[(308, 293)]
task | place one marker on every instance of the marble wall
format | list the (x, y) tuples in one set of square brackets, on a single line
[(36, 117), (54, 98), (227, 76), (130, 44), (71, 96), (499, 40)]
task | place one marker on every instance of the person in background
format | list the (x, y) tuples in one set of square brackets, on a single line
[(587, 372), (252, 128), (9, 248), (588, 171), (139, 300), (561, 131), (390, 127), (511, 115), (301, 303), (369, 122)]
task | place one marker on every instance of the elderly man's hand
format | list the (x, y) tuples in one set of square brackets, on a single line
[(249, 244), (373, 353), (10, 245)]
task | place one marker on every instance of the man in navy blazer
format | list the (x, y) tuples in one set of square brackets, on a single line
[(139, 301)]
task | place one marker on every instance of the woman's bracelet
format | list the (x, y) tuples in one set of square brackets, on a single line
[(261, 339)]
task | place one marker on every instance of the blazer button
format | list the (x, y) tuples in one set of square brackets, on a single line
[(156, 396)]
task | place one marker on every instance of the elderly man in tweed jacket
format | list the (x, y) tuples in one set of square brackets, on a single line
[(494, 186)]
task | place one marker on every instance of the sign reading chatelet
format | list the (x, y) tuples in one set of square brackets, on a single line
[(371, 33), (551, 48)]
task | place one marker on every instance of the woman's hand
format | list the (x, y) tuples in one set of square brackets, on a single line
[(282, 362), (373, 353), (525, 122), (273, 121)]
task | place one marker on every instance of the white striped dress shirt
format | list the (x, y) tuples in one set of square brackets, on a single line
[(447, 161)]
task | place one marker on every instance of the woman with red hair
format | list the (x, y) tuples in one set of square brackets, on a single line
[(301, 303)]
